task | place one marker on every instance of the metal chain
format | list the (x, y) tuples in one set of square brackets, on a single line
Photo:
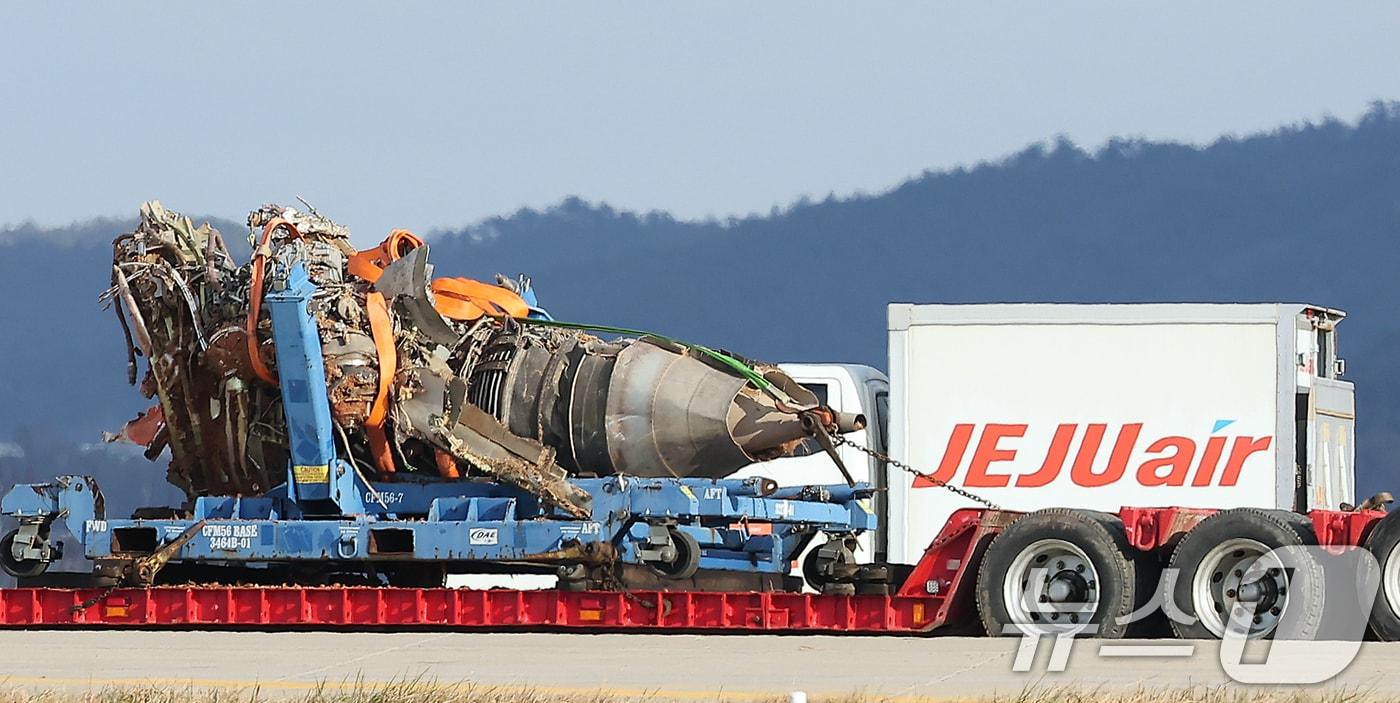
[(881, 456), (611, 581), (95, 599)]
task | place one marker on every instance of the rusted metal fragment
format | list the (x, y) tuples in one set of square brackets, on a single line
[(352, 375), (173, 284), (466, 432), (141, 430), (406, 283)]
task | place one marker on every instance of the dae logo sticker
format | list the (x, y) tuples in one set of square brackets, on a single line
[(485, 536)]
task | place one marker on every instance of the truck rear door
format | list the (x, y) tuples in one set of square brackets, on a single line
[(1331, 429)]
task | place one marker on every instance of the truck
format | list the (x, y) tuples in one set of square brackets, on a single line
[(1024, 468), (1046, 405), (1234, 408)]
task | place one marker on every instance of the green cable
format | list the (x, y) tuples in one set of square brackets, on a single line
[(738, 366)]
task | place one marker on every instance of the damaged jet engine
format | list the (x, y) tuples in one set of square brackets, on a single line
[(431, 379)]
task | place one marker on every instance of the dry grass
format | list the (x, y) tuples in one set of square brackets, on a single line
[(424, 692), (1202, 694)]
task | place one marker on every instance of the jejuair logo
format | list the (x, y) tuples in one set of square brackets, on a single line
[(1000, 457)]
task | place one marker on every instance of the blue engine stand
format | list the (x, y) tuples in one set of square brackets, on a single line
[(328, 514)]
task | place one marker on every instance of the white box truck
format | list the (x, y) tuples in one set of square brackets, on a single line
[(1102, 406), (1092, 406)]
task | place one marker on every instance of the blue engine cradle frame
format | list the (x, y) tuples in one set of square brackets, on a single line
[(471, 522), (326, 512)]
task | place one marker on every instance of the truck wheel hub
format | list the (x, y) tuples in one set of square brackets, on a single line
[(1051, 583), (1240, 585)]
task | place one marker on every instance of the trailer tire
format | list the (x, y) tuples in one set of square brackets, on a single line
[(831, 567), (1215, 557), (1089, 583), (18, 568), (1384, 544), (687, 560)]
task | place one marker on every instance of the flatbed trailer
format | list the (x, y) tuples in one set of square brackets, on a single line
[(938, 594), (916, 608), (693, 554)]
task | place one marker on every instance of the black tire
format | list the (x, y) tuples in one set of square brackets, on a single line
[(1384, 545), (873, 580), (18, 568), (873, 573), (811, 571), (1119, 588), (687, 560), (844, 565), (1208, 540)]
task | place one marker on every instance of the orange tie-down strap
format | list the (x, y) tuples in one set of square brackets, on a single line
[(465, 299), (456, 298), (382, 329), (370, 263), (255, 297)]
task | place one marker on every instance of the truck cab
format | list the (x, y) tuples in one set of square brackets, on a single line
[(847, 388)]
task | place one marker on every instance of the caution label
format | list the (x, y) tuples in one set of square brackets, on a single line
[(312, 474)]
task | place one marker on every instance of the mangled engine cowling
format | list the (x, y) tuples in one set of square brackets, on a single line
[(642, 407), (442, 379)]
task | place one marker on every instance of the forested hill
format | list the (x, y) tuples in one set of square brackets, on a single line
[(1308, 213)]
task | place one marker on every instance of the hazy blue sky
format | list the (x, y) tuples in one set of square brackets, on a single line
[(406, 114)]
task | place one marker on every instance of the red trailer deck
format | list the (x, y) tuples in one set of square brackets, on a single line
[(937, 592)]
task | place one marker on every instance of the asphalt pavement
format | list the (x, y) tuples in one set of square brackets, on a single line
[(680, 667)]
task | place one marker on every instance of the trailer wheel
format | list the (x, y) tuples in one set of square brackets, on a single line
[(18, 568), (832, 568), (687, 557), (1228, 560), (1060, 571), (1384, 544)]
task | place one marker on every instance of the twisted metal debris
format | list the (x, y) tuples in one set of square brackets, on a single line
[(444, 379)]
